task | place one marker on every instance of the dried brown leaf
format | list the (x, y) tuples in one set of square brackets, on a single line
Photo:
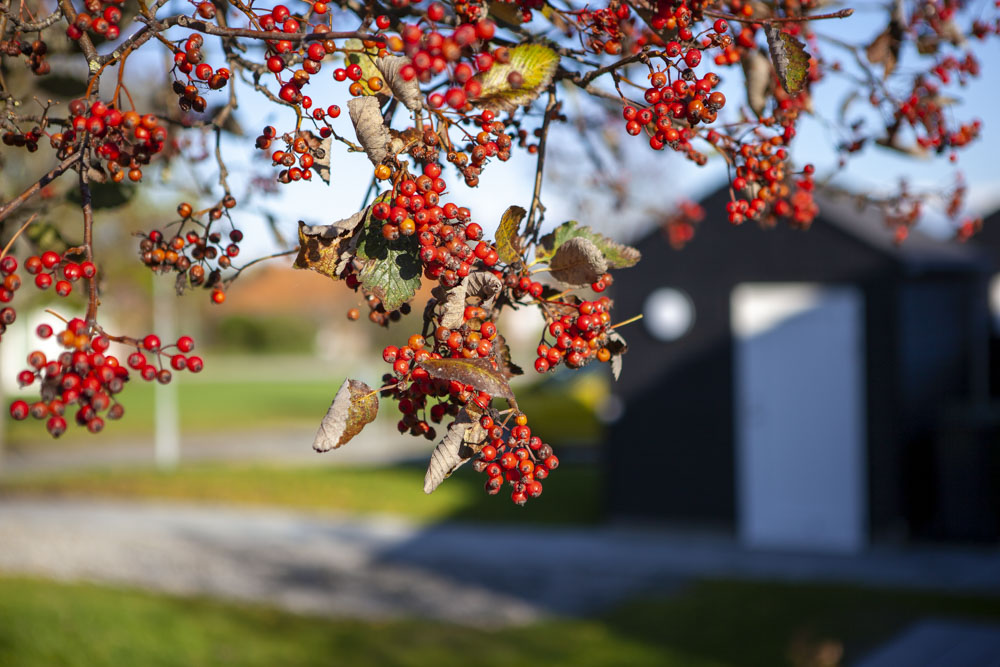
[(501, 352), (578, 262), (479, 373), (617, 346), (758, 79), (463, 440), (354, 406), (407, 92), (372, 133)]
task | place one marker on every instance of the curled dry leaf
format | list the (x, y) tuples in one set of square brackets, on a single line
[(758, 79), (449, 304), (884, 49), (326, 249), (501, 352), (483, 285), (578, 262), (791, 62), (617, 347), (354, 406), (407, 92), (478, 373), (463, 440), (508, 247), (372, 133)]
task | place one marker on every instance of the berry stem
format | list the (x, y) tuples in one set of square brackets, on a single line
[(533, 225), (628, 321), (88, 237), (36, 187), (842, 14), (16, 234)]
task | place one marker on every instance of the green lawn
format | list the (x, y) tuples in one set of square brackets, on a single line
[(214, 406), (572, 494), (710, 623)]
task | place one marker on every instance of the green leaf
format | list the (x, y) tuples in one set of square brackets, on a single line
[(479, 373), (618, 255), (392, 268), (354, 407), (507, 244), (534, 64), (790, 59)]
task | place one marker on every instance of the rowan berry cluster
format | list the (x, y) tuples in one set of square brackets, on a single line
[(303, 152), (189, 61), (100, 18), (86, 376), (199, 255), (34, 53), (125, 141), (52, 268), (431, 53), (514, 455), (606, 28), (578, 337), (766, 188)]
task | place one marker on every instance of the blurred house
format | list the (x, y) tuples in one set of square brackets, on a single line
[(810, 390)]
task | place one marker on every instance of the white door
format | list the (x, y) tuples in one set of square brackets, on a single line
[(800, 416)]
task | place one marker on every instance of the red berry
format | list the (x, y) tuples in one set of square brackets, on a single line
[(151, 342), (19, 410), (185, 344), (195, 364)]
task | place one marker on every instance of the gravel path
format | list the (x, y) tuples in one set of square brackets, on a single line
[(383, 567)]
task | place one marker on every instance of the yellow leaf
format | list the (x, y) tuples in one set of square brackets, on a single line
[(507, 245), (519, 82)]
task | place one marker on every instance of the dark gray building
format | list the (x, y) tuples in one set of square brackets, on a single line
[(796, 387)]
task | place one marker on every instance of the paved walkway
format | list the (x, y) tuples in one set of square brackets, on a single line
[(381, 567)]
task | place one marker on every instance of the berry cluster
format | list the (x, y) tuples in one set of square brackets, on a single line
[(34, 52), (606, 28), (86, 376), (47, 268), (766, 187), (515, 456), (303, 152), (189, 61), (101, 19), (432, 53), (191, 254), (578, 337), (126, 141)]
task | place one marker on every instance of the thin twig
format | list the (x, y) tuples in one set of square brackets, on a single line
[(27, 222), (36, 187), (534, 223)]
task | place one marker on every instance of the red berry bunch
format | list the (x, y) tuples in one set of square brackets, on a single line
[(199, 254), (189, 63), (514, 456), (165, 358), (125, 141), (606, 28), (766, 188), (303, 152), (100, 18), (460, 55), (578, 337), (52, 268), (34, 53)]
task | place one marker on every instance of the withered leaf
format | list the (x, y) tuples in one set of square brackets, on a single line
[(884, 50), (484, 286), (407, 92), (354, 406), (372, 133), (507, 244), (617, 347), (326, 248), (501, 352), (450, 304), (463, 440), (479, 373), (791, 62), (758, 79), (578, 262)]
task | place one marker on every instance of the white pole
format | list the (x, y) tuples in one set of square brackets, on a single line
[(167, 442)]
